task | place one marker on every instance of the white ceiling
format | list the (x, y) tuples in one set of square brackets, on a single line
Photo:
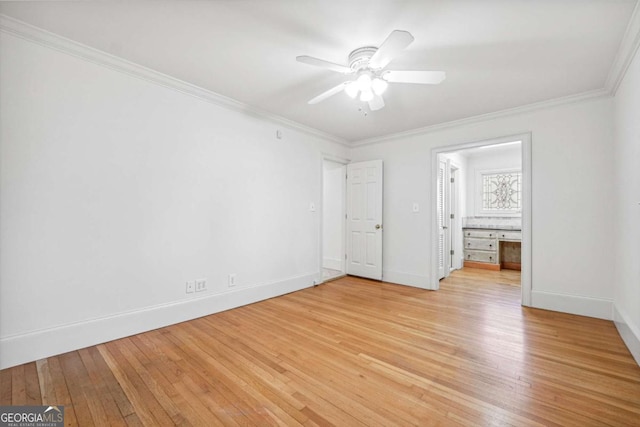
[(497, 54)]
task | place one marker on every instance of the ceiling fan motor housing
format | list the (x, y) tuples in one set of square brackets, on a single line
[(359, 58)]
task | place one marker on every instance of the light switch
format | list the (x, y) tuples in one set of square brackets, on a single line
[(312, 207), (416, 207)]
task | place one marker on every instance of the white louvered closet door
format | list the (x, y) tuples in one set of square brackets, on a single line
[(442, 168)]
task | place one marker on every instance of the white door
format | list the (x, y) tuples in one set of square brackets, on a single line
[(453, 219), (442, 172), (364, 219)]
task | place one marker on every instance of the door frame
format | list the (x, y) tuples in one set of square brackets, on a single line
[(344, 162), (454, 207), (525, 147)]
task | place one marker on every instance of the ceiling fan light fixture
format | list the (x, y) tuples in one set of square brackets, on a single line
[(379, 86), (352, 90), (367, 68), (366, 95), (364, 82)]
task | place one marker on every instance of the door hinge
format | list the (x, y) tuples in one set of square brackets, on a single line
[(345, 256), (453, 180), (451, 252), (452, 216)]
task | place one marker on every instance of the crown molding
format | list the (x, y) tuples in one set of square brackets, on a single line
[(627, 50), (57, 42), (628, 47), (584, 96)]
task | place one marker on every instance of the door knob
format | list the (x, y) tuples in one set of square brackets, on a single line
[(378, 226)]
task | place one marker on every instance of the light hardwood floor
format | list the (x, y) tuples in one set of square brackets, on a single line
[(352, 352)]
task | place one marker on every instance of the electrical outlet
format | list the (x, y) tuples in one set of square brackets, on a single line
[(232, 280), (191, 286), (201, 285)]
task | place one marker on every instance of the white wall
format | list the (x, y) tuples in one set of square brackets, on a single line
[(625, 215), (116, 191), (572, 167), (493, 158), (333, 215)]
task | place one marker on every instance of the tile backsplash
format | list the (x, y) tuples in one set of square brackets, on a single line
[(508, 223)]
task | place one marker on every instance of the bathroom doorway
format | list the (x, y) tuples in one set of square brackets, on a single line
[(482, 208)]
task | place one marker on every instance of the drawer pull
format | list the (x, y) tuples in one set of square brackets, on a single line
[(490, 245)]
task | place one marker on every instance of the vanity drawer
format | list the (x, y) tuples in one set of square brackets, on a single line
[(482, 244), (480, 256), (479, 233), (510, 235)]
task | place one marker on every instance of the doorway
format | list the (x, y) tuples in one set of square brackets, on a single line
[(455, 223), (448, 217), (483, 188), (333, 219)]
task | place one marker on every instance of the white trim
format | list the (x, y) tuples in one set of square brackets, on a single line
[(526, 259), (525, 138), (571, 99), (27, 347), (406, 279), (332, 263), (624, 56), (335, 159), (627, 50), (600, 308), (51, 40), (629, 332)]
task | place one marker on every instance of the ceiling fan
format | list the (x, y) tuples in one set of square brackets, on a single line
[(370, 79)]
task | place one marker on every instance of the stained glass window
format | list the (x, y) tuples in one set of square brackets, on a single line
[(502, 192)]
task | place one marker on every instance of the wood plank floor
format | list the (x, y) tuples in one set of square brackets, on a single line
[(352, 352)]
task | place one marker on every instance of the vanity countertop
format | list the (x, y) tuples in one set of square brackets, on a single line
[(494, 227)]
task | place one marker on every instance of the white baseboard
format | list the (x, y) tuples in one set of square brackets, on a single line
[(406, 279), (28, 347), (332, 263), (629, 332), (583, 306)]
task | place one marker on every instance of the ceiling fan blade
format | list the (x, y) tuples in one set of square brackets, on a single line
[(397, 41), (329, 93), (419, 77), (376, 103), (323, 64)]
